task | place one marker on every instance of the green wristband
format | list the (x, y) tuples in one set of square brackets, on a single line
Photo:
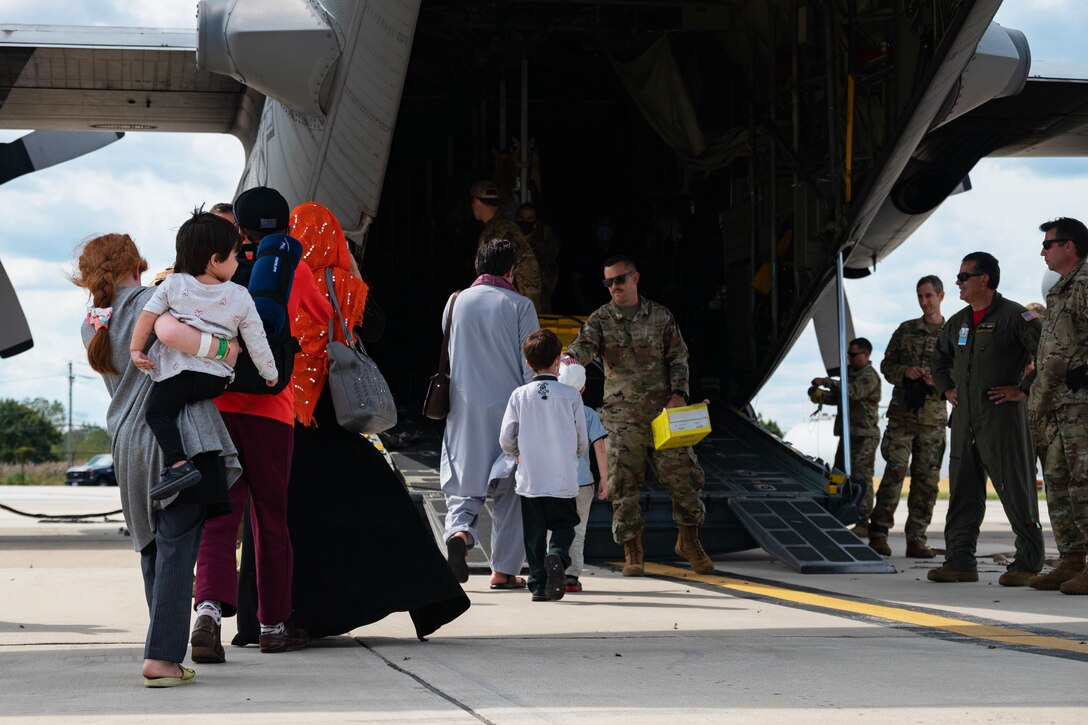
[(223, 347)]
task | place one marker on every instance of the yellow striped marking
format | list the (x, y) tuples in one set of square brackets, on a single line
[(992, 633)]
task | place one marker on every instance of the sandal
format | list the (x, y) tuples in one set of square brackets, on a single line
[(511, 582), (187, 675)]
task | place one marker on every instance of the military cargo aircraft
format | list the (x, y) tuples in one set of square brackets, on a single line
[(747, 153)]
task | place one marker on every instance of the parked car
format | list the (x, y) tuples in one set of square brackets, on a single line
[(96, 472)]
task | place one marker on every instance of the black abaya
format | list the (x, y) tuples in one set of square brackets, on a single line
[(361, 549)]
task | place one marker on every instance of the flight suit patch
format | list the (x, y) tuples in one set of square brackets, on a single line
[(986, 327)]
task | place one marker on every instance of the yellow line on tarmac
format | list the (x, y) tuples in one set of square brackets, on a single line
[(1006, 635)]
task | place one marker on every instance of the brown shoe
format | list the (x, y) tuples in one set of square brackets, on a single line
[(633, 557), (291, 639), (689, 547), (947, 575), (1068, 567), (861, 530), (206, 641), (1016, 578), (918, 550), (879, 544), (1076, 585)]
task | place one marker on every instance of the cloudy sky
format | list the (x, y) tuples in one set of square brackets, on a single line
[(146, 183)]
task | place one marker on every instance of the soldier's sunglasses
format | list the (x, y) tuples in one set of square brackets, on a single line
[(964, 276), (1048, 243), (618, 279)]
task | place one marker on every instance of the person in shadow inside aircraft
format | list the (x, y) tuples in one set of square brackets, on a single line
[(166, 533), (361, 550)]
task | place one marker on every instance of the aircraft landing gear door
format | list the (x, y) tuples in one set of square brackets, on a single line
[(844, 369)]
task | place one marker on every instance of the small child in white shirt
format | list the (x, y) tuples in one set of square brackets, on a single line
[(574, 375), (544, 428), (200, 294)]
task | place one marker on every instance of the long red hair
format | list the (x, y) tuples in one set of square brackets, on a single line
[(102, 263)]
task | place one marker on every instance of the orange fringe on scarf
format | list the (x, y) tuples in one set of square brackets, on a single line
[(323, 246)]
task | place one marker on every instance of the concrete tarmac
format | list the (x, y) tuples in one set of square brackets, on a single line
[(756, 642)]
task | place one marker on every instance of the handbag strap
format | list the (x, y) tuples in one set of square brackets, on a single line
[(444, 360), (336, 307)]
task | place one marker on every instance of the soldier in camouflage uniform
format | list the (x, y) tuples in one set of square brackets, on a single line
[(863, 393), (485, 208), (1058, 404), (917, 418), (545, 245), (978, 364), (646, 369)]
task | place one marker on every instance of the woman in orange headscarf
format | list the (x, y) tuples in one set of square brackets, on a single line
[(361, 550)]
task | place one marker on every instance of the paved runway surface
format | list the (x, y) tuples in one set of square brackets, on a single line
[(755, 642)]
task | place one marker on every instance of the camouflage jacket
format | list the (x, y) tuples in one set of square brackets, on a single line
[(1063, 343), (863, 392), (527, 271), (645, 359), (912, 344)]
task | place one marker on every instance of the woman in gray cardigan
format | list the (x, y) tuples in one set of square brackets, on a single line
[(166, 533)]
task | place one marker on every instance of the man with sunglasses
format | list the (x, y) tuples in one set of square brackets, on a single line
[(978, 365), (646, 369), (863, 394), (917, 417), (1058, 404)]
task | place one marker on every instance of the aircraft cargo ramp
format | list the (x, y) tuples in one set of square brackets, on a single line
[(759, 492)]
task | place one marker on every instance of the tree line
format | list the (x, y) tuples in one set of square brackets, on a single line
[(32, 431)]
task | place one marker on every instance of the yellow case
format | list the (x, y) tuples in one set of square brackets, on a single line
[(679, 427)]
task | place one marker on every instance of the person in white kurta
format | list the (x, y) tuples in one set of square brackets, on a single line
[(490, 322)]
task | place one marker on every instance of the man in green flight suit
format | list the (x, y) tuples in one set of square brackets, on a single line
[(646, 369), (485, 208), (1058, 404), (978, 365), (917, 418), (863, 394)]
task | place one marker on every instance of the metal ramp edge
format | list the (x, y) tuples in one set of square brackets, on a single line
[(802, 534)]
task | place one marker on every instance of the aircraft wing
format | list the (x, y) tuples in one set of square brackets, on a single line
[(112, 79)]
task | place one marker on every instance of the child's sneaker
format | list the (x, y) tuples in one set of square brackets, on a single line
[(175, 480), (556, 585), (573, 585)]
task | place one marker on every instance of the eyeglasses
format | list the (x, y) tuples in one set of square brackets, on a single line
[(618, 279), (964, 276), (855, 353), (1048, 243)]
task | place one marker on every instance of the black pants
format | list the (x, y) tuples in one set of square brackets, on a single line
[(165, 402), (538, 516)]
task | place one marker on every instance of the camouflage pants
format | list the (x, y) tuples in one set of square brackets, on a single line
[(1061, 442), (862, 460), (923, 446), (630, 446)]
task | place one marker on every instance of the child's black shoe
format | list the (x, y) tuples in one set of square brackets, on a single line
[(175, 480)]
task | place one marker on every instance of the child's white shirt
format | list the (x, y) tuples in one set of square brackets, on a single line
[(225, 309), (544, 427)]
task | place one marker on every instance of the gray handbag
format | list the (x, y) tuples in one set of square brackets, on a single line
[(360, 395)]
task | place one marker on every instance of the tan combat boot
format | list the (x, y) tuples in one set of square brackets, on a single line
[(632, 557), (879, 544), (689, 547), (1068, 567), (1076, 585)]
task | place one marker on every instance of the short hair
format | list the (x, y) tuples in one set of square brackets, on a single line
[(618, 258), (542, 349), (1071, 229), (863, 343), (201, 237), (938, 285), (986, 263), (529, 205), (223, 207), (496, 257)]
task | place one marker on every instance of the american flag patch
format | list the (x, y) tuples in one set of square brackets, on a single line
[(1030, 315)]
